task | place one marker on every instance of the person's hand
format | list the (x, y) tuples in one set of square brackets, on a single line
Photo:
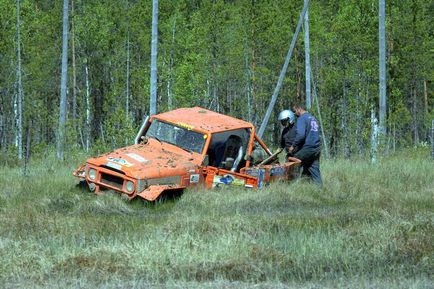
[(291, 149)]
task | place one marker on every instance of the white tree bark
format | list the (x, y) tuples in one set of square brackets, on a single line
[(432, 139), (382, 65), (20, 93), (154, 43), (87, 106), (63, 85), (74, 71), (374, 136)]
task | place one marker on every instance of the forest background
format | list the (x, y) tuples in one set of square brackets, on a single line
[(221, 55)]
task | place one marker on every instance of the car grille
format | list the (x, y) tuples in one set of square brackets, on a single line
[(113, 181)]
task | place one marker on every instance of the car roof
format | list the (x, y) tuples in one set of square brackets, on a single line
[(203, 119)]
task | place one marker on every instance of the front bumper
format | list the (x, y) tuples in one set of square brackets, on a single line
[(108, 179)]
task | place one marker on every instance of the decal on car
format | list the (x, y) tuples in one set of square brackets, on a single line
[(227, 180), (194, 178), (119, 161), (278, 171), (137, 157), (257, 173), (114, 166)]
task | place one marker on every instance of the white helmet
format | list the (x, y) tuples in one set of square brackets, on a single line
[(287, 114)]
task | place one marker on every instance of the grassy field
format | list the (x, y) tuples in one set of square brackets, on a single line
[(372, 226)]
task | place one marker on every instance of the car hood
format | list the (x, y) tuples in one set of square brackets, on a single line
[(151, 160)]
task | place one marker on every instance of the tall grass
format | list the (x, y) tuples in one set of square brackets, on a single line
[(370, 226)]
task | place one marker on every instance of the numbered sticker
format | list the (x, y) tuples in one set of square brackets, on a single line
[(194, 179)]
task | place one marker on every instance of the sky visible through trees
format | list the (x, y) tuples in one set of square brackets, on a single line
[(221, 55)]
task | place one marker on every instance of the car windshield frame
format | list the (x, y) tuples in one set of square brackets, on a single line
[(183, 137)]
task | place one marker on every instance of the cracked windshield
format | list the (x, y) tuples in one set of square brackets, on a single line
[(184, 138)]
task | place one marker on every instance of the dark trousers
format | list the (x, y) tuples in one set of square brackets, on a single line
[(310, 163)]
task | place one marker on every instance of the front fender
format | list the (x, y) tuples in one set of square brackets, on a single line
[(154, 191)]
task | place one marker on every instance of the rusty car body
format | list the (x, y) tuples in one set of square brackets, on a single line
[(182, 148)]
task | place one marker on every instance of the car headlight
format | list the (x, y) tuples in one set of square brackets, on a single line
[(92, 174), (129, 186)]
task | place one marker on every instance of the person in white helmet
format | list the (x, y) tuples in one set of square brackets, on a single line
[(287, 140)]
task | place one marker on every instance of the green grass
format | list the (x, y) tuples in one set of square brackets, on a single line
[(372, 226)]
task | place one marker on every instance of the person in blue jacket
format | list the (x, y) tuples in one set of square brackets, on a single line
[(308, 142)]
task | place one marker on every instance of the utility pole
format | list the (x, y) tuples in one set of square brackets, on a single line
[(382, 66), (282, 72), (63, 84), (307, 59), (154, 43)]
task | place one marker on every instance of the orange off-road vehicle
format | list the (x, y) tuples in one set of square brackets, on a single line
[(187, 147)]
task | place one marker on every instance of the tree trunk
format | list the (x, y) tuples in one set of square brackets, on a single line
[(359, 116), (28, 145), (63, 85), (248, 89), (345, 123), (282, 72), (88, 115), (127, 96), (425, 104), (415, 114), (20, 93), (74, 74), (307, 59), (154, 43), (374, 138), (425, 97), (382, 65), (432, 139)]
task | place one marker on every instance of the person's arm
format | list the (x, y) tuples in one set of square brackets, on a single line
[(300, 134)]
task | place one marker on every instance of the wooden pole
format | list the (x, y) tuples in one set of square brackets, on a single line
[(382, 66), (154, 43), (63, 84), (282, 72), (307, 59)]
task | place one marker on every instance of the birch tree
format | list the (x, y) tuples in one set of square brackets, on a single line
[(88, 108), (74, 70), (63, 84), (127, 96), (20, 94)]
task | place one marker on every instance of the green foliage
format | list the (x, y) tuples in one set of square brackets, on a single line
[(223, 55)]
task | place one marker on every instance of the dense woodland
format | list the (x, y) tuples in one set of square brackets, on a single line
[(222, 55)]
